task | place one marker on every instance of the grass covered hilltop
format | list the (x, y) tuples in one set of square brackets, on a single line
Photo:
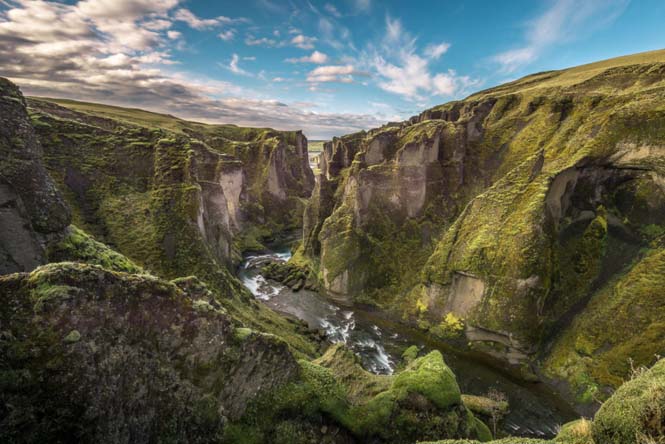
[(524, 223)]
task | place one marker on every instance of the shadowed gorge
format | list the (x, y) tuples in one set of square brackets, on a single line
[(489, 270)]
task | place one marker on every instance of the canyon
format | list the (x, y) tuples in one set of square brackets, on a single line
[(520, 230)]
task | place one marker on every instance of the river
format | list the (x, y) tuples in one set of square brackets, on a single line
[(535, 409)]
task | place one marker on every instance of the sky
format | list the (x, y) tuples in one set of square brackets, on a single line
[(326, 67)]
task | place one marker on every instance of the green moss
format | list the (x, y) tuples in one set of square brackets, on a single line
[(79, 246), (636, 412), (485, 405), (421, 401), (72, 336), (410, 354), (430, 377), (45, 293), (622, 323), (202, 306), (575, 432), (242, 333)]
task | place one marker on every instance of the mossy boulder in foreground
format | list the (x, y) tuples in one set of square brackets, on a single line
[(92, 355), (97, 355), (636, 412), (421, 402)]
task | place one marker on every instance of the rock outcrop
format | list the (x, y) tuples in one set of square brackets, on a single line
[(513, 212), (32, 212), (101, 356)]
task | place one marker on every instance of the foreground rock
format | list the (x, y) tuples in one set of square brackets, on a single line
[(98, 356), (423, 401)]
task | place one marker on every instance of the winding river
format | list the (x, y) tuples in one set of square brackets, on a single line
[(535, 410)]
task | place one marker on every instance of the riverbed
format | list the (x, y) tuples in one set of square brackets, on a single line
[(535, 409)]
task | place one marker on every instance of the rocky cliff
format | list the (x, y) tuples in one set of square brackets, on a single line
[(526, 220), (32, 211), (156, 187)]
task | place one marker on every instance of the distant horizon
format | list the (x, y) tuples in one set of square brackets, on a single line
[(328, 68)]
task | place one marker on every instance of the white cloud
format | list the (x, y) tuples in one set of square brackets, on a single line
[(334, 73), (394, 30), (401, 69), (563, 22), (227, 35), (187, 16), (436, 51), (332, 10), (158, 24), (123, 9), (334, 33), (174, 35), (235, 68), (250, 40), (303, 42), (316, 57)]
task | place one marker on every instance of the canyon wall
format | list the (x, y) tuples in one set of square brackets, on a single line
[(32, 211), (512, 221), (172, 194)]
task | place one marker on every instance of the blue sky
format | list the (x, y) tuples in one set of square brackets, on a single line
[(328, 67)]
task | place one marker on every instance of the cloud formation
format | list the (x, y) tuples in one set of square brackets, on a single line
[(334, 73), (118, 52), (563, 22), (316, 57), (303, 42), (401, 69), (187, 16)]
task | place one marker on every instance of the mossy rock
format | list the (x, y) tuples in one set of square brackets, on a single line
[(485, 406), (575, 432), (422, 402), (430, 377), (78, 246), (635, 412), (108, 356)]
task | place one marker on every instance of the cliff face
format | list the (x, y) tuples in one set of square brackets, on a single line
[(514, 212), (32, 212), (383, 196), (156, 187)]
